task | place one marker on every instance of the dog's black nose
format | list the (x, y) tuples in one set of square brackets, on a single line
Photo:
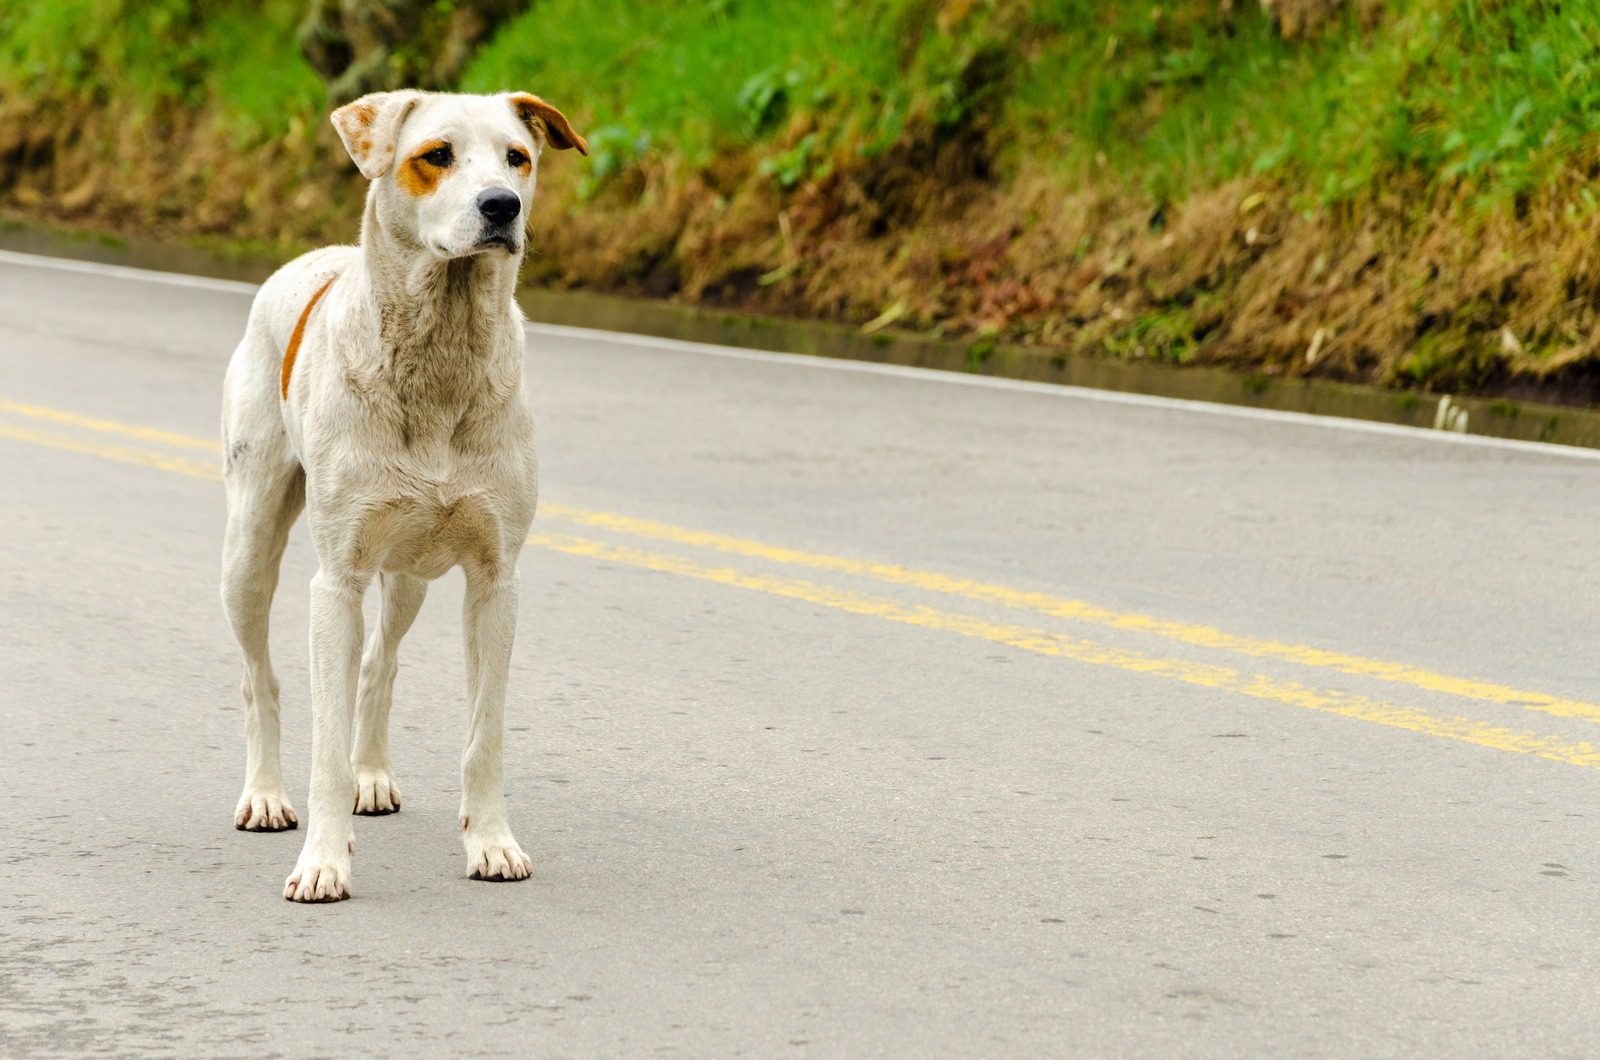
[(499, 205)]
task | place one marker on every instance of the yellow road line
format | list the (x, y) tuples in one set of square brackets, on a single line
[(1007, 596), (144, 457), (1044, 642), (1079, 611), (127, 430)]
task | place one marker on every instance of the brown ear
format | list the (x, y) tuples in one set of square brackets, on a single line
[(547, 123), (370, 128)]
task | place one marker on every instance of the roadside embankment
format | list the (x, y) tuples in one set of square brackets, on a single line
[(730, 330), (1396, 194)]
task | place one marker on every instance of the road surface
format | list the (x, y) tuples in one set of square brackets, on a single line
[(853, 713)]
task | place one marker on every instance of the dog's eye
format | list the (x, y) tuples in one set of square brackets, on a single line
[(440, 156), (516, 158)]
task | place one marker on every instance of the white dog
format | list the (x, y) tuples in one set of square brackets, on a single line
[(380, 388)]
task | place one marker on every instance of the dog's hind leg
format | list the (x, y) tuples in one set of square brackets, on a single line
[(266, 492), (490, 618), (376, 790)]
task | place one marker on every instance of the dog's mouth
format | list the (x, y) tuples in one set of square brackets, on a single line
[(489, 239), (493, 240)]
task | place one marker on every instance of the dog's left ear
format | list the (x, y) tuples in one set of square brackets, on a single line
[(370, 127), (547, 123)]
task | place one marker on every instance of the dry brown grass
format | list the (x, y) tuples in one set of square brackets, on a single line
[(173, 173)]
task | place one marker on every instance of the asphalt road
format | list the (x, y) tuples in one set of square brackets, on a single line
[(853, 714)]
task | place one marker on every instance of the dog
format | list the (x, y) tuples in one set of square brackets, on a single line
[(379, 388)]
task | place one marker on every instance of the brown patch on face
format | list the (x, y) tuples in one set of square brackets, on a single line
[(526, 167), (547, 123), (419, 177)]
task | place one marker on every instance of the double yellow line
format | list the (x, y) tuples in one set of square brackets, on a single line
[(1026, 638)]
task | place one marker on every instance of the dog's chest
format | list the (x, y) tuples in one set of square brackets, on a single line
[(424, 524), (428, 508), (420, 455), (427, 535)]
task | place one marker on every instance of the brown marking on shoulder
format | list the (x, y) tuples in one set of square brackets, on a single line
[(293, 351), (417, 176)]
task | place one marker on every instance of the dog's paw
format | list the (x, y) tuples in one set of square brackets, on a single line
[(319, 881), (497, 858), (376, 792), (264, 811)]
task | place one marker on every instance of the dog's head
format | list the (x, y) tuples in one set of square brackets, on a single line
[(454, 172)]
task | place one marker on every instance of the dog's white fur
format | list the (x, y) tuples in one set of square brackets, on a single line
[(407, 436)]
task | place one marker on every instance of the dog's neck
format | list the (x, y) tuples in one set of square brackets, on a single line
[(444, 325), (449, 352)]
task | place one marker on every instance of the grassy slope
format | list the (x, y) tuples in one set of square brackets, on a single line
[(1404, 195), (145, 115)]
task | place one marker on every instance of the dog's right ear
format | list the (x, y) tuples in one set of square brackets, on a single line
[(370, 127)]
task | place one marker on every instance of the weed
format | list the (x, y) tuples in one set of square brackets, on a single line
[(612, 149), (800, 162), (1167, 334), (764, 99)]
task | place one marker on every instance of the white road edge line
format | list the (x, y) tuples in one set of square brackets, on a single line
[(926, 375), (123, 272), (1110, 397)]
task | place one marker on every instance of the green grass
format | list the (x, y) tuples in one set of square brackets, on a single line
[(693, 77), (1499, 97), (237, 60)]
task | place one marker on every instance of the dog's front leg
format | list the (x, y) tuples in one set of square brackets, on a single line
[(490, 621), (323, 872)]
